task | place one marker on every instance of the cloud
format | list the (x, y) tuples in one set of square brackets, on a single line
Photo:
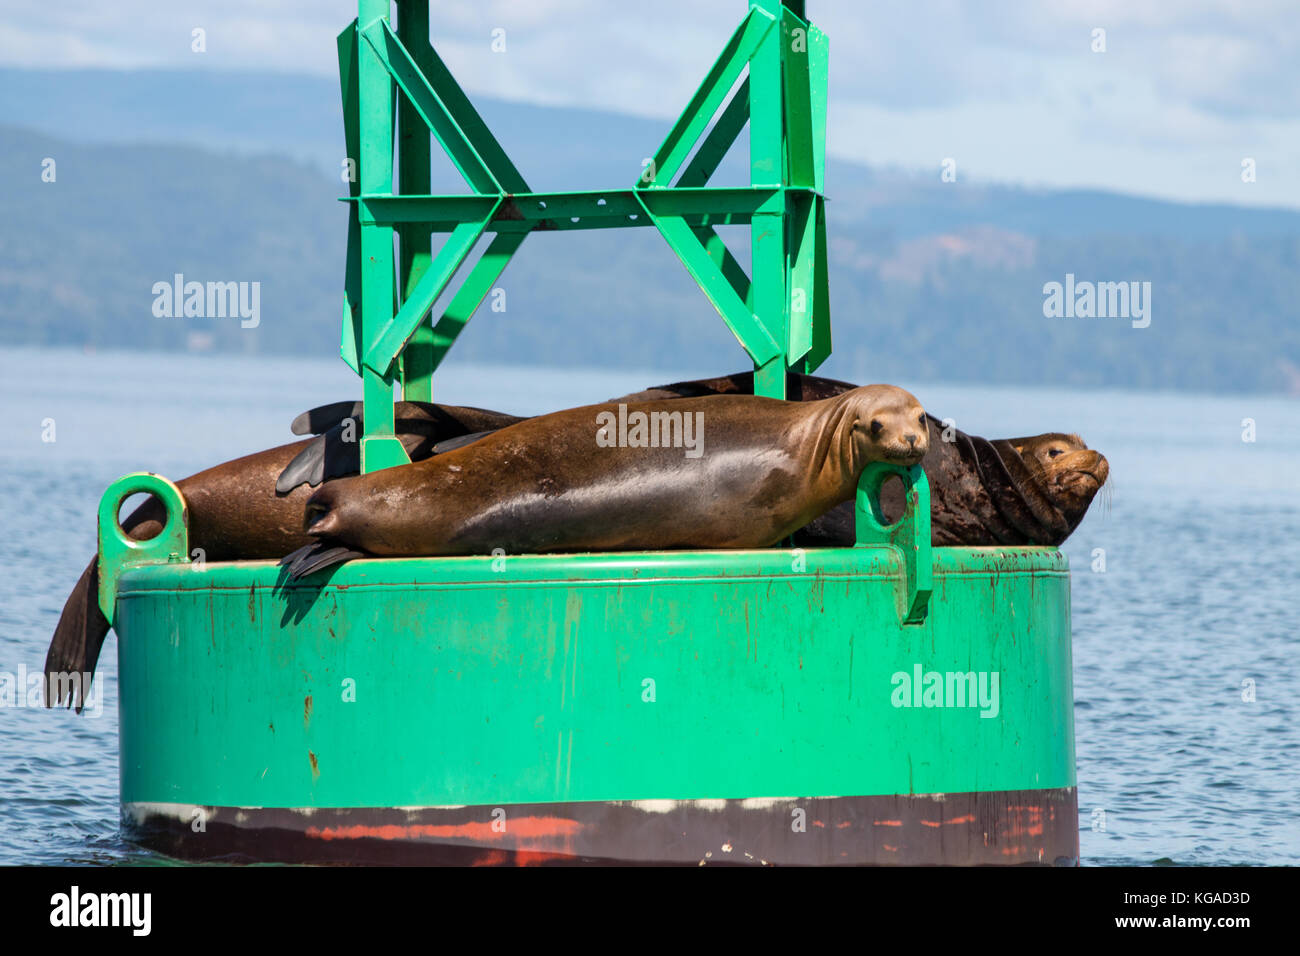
[(1240, 58), (1011, 87)]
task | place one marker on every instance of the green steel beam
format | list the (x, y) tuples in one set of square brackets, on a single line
[(768, 229), (699, 111), (389, 339), (709, 202), (471, 125), (379, 447), (818, 71), (720, 139), (799, 135), (809, 293), (397, 60), (820, 347), (726, 263), (390, 210), (447, 111), (584, 210), (415, 244), (508, 226), (803, 278), (744, 324), (350, 346)]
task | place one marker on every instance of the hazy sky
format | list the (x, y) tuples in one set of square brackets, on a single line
[(1011, 89)]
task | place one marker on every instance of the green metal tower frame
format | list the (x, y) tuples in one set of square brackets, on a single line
[(780, 314)]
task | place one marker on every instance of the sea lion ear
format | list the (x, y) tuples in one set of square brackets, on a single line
[(1020, 449)]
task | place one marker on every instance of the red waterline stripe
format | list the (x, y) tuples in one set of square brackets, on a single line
[(524, 828)]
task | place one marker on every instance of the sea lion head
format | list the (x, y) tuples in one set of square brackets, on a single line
[(888, 425), (331, 508), (1069, 471)]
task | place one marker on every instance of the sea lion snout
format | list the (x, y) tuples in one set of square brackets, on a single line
[(1081, 473), (319, 516)]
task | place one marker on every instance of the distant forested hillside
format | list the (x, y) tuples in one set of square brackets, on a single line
[(929, 281)]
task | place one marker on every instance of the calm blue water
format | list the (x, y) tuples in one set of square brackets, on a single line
[(1201, 540)]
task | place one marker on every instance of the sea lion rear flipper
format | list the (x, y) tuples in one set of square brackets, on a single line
[(317, 556), (78, 639)]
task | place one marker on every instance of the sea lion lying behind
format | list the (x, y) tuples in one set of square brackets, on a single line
[(568, 482), (1009, 492)]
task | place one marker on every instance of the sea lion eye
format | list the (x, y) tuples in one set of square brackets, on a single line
[(921, 420), (1053, 452), (876, 427)]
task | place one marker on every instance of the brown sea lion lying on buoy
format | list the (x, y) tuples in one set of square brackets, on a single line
[(756, 470), (236, 513), (983, 493), (330, 455)]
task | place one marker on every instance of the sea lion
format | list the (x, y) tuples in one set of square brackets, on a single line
[(329, 456), (237, 513), (1011, 492), (567, 482)]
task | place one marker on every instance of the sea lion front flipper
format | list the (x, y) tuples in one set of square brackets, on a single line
[(306, 466), (328, 456), (317, 556)]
